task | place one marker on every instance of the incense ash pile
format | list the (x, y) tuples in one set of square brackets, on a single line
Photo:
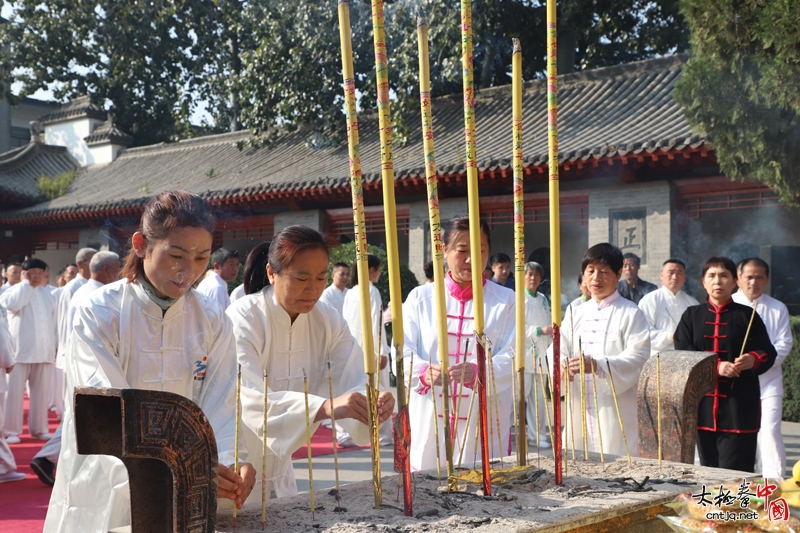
[(526, 500)]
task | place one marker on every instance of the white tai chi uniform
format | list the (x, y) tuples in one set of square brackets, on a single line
[(123, 339), (663, 311), (7, 462), (537, 316), (237, 293), (52, 449), (63, 299), (267, 340), (334, 297), (216, 289), (422, 340), (613, 330), (771, 450), (32, 323), (352, 314)]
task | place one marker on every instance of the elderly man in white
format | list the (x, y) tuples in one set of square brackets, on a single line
[(215, 284), (539, 336), (753, 278), (663, 308)]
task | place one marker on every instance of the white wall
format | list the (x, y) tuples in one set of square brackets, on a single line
[(71, 135)]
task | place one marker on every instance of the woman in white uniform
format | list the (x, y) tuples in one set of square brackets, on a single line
[(284, 330), (351, 311), (421, 345), (150, 331)]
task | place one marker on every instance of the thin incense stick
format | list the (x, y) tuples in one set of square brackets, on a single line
[(237, 426), (308, 446), (514, 400), (357, 192), (435, 426), (597, 416), (333, 436), (410, 378), (466, 427), (264, 457), (569, 386), (544, 396), (619, 413), (460, 392), (496, 408), (747, 333), (658, 399), (555, 399), (536, 407), (583, 410)]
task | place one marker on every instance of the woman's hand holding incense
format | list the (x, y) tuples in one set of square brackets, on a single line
[(233, 486), (352, 405), (385, 406)]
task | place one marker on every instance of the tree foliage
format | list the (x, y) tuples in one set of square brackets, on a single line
[(346, 253), (52, 188), (741, 87)]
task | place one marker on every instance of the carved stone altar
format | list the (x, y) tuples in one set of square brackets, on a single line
[(168, 447), (685, 378)]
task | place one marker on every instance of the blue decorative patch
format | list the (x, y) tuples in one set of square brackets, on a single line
[(200, 369)]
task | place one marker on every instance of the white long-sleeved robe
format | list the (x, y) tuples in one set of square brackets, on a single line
[(421, 344), (216, 289), (122, 339), (64, 324), (334, 297), (267, 340), (663, 311), (537, 315), (237, 293), (7, 462), (613, 330)]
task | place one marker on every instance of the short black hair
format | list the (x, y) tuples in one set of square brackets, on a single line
[(757, 261), (673, 261), (460, 223), (719, 261), (580, 278), (34, 263), (373, 261), (13, 264), (428, 268), (70, 265), (340, 264), (604, 253), (500, 257), (223, 254), (635, 257)]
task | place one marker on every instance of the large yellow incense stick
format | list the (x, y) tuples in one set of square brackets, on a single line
[(475, 230), (583, 410), (308, 447), (436, 236), (569, 386), (658, 399), (264, 457), (333, 437), (619, 413), (597, 417), (519, 243), (237, 426), (357, 187), (555, 212)]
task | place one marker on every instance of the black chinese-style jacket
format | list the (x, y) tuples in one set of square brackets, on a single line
[(735, 404)]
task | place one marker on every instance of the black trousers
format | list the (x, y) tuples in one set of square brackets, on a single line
[(734, 451)]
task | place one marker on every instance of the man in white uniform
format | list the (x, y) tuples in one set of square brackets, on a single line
[(539, 335), (215, 284), (613, 332), (32, 323), (8, 466), (13, 276), (753, 277), (104, 268), (82, 258), (334, 294), (664, 307)]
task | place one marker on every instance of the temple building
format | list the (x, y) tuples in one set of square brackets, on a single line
[(632, 172)]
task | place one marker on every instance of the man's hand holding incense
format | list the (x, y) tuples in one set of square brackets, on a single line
[(351, 405), (589, 366), (728, 370), (385, 406), (235, 486), (744, 362), (455, 371)]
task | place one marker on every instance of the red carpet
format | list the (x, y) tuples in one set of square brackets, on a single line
[(321, 444), (23, 504)]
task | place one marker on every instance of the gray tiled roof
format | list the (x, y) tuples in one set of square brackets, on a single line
[(108, 133), (616, 110), (21, 168)]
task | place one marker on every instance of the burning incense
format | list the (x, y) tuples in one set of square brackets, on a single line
[(357, 189), (658, 399), (237, 427), (583, 410), (264, 457), (519, 247), (333, 436), (597, 415), (435, 425), (473, 195), (619, 413), (308, 446)]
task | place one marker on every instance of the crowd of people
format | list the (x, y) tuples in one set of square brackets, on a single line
[(166, 322)]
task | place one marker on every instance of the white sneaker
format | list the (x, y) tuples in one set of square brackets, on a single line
[(544, 444), (347, 442), (11, 476), (43, 436), (13, 439), (386, 441)]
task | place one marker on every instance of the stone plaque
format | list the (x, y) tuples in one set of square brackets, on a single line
[(628, 231)]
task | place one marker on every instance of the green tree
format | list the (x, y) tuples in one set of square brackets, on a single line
[(346, 253), (741, 87)]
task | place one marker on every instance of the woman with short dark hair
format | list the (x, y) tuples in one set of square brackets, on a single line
[(729, 418)]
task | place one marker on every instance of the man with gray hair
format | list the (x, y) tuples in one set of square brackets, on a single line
[(215, 284), (82, 258), (104, 268)]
